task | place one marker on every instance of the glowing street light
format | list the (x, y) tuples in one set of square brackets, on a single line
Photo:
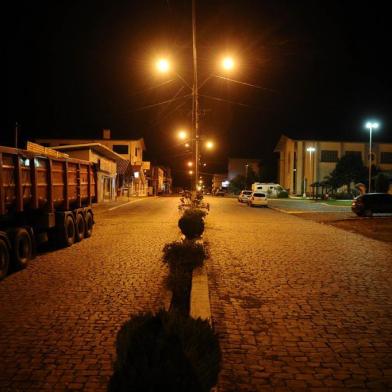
[(182, 135), (370, 125), (162, 65), (190, 163), (309, 150), (190, 172), (186, 145), (228, 63), (209, 145)]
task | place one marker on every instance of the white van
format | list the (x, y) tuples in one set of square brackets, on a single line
[(268, 188)]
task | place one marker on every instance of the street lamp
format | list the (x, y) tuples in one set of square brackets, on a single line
[(228, 63), (209, 145), (162, 65), (246, 175), (309, 150), (190, 163), (371, 126), (182, 134)]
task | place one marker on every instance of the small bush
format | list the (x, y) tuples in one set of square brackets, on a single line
[(283, 194), (165, 352), (186, 255), (195, 212), (191, 223)]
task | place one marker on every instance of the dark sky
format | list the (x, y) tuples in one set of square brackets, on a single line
[(72, 68)]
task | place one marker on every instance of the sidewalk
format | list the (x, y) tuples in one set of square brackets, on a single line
[(100, 208)]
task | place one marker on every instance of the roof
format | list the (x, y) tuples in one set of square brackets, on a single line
[(97, 147)]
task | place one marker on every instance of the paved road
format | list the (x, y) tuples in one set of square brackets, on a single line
[(298, 305), (60, 316)]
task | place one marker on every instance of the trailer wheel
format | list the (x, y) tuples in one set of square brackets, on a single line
[(4, 258), (80, 227), (22, 247), (89, 224), (66, 234)]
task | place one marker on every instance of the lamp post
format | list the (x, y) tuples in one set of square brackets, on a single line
[(246, 175), (309, 150), (371, 126)]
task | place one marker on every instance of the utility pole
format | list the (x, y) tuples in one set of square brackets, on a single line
[(195, 101)]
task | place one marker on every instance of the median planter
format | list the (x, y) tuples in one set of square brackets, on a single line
[(165, 352), (191, 223), (182, 257)]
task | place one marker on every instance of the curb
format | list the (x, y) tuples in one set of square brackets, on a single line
[(200, 297)]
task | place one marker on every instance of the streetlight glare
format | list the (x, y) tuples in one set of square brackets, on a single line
[(182, 134), (209, 145), (163, 65), (311, 149), (228, 63), (373, 125), (190, 164), (190, 172)]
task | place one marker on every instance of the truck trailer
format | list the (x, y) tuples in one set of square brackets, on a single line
[(42, 198)]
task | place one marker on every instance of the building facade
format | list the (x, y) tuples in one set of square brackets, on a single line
[(304, 162), (130, 150)]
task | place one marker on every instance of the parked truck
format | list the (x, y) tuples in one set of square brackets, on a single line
[(42, 197), (270, 188)]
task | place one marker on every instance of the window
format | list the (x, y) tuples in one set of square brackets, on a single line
[(136, 151), (329, 156), (386, 157), (120, 148), (354, 153)]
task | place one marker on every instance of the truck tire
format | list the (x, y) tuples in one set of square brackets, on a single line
[(66, 233), (89, 224), (22, 247), (80, 226), (4, 257)]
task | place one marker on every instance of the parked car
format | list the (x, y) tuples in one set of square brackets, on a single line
[(258, 199), (244, 196), (370, 203)]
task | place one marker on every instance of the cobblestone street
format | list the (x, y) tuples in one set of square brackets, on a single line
[(298, 305), (59, 317)]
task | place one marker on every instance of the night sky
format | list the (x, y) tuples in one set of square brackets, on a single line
[(70, 69)]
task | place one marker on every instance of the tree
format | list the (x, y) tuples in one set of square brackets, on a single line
[(251, 178), (349, 168), (237, 184)]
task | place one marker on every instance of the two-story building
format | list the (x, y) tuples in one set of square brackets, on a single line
[(303, 162), (128, 149)]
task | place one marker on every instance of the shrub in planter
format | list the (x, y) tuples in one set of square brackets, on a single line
[(183, 257), (196, 212), (165, 352), (191, 224), (186, 255)]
